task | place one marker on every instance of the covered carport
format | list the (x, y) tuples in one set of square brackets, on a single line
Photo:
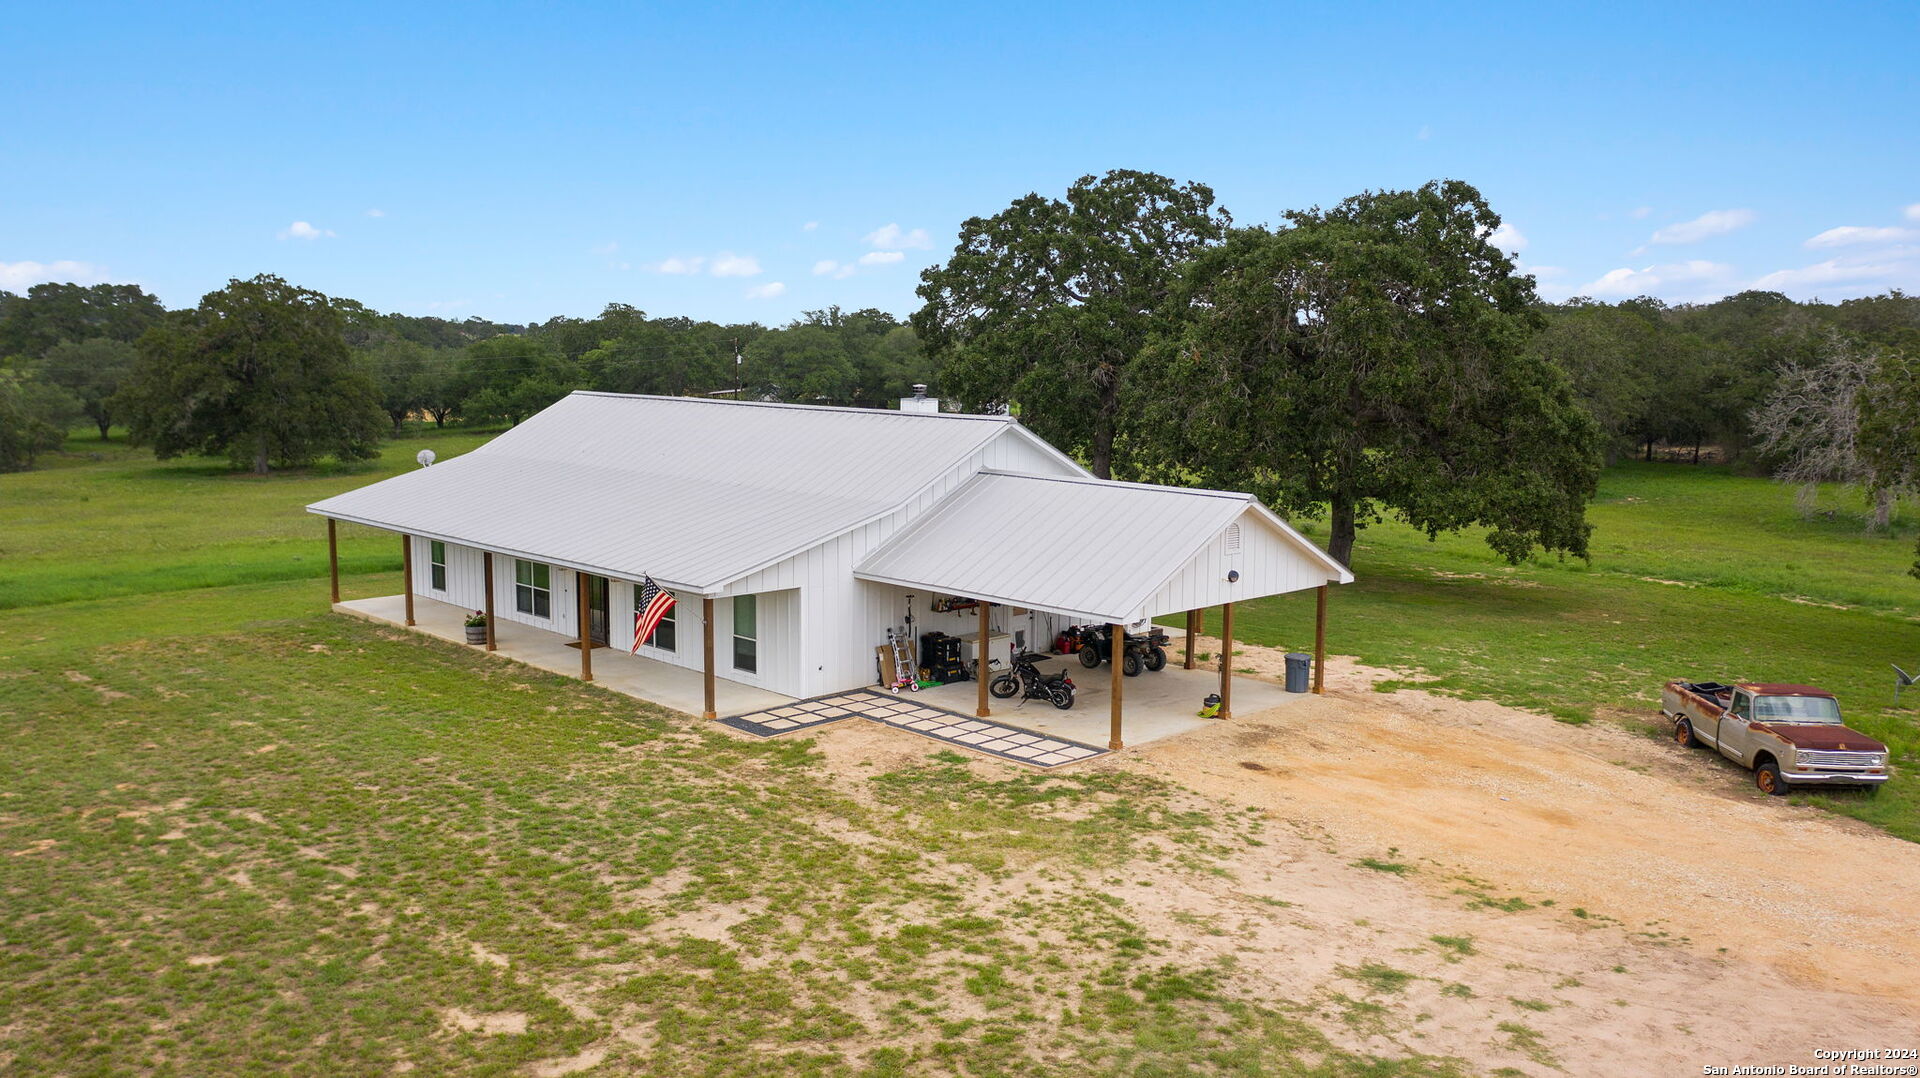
[(1113, 553)]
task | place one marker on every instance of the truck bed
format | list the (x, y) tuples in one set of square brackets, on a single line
[(1702, 693)]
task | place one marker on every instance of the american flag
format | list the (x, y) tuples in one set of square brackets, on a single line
[(650, 606)]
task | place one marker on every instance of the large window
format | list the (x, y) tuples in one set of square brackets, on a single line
[(532, 593), (746, 633), (663, 635), (437, 555)]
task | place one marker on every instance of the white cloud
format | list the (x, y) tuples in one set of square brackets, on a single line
[(880, 258), (1539, 271), (1425, 133), (21, 275), (1711, 223), (769, 290), (890, 237), (376, 213), (301, 230), (1639, 213), (1651, 280), (728, 264), (1832, 271), (1849, 235), (809, 226), (827, 267), (680, 267), (1508, 238), (448, 304), (605, 248), (1913, 212)]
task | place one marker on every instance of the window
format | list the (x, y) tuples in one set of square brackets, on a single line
[(1797, 709), (531, 591), (746, 633), (437, 554), (663, 637)]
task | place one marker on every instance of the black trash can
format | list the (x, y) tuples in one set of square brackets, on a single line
[(1298, 665)]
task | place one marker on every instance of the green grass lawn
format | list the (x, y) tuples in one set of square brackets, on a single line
[(241, 835), (1696, 573), (103, 520)]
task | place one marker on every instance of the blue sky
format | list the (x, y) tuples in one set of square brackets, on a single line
[(749, 162)]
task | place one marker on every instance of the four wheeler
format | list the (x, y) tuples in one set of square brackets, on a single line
[(1026, 679), (1142, 651)]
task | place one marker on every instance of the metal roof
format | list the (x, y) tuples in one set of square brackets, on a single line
[(1086, 547), (693, 492)]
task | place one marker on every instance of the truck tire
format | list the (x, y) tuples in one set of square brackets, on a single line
[(1683, 735), (1766, 775)]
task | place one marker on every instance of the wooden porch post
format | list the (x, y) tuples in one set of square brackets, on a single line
[(486, 570), (706, 645), (1193, 630), (333, 558), (1226, 660), (1117, 634), (1320, 642), (406, 570), (586, 633), (980, 670)]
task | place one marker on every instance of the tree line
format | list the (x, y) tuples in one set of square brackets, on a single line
[(269, 374), (1382, 357)]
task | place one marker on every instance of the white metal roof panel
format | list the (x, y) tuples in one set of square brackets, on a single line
[(692, 492), (1087, 547)]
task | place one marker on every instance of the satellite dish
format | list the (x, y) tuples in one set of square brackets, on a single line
[(425, 457)]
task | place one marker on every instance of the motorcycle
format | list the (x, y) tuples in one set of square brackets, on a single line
[(1140, 652), (1026, 680)]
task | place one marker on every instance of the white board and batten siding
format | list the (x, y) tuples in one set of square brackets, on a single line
[(466, 586), (1268, 564), (778, 616), (841, 618)]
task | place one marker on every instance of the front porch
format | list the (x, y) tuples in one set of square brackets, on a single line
[(676, 687)]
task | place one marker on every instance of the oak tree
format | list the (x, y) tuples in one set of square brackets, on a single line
[(1044, 304), (259, 373), (1369, 359)]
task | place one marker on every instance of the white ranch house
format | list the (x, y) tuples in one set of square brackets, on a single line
[(792, 536)]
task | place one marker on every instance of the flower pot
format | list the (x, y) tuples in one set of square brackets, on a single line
[(476, 634)]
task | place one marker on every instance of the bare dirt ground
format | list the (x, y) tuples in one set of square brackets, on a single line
[(1627, 907)]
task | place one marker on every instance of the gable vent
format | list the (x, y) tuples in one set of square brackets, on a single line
[(1233, 538)]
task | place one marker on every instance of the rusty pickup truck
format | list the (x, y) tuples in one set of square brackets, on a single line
[(1789, 735)]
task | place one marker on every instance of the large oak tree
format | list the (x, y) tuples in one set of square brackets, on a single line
[(259, 373), (1044, 304), (1369, 359)]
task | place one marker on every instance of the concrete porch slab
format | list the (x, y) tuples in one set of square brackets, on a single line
[(1155, 705), (655, 682)]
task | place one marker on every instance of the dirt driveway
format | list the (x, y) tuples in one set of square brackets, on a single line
[(1759, 931)]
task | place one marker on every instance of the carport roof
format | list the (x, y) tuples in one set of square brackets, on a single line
[(1086, 547)]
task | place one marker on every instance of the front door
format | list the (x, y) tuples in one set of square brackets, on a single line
[(599, 614)]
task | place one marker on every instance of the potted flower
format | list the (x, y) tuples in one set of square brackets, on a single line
[(477, 627)]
